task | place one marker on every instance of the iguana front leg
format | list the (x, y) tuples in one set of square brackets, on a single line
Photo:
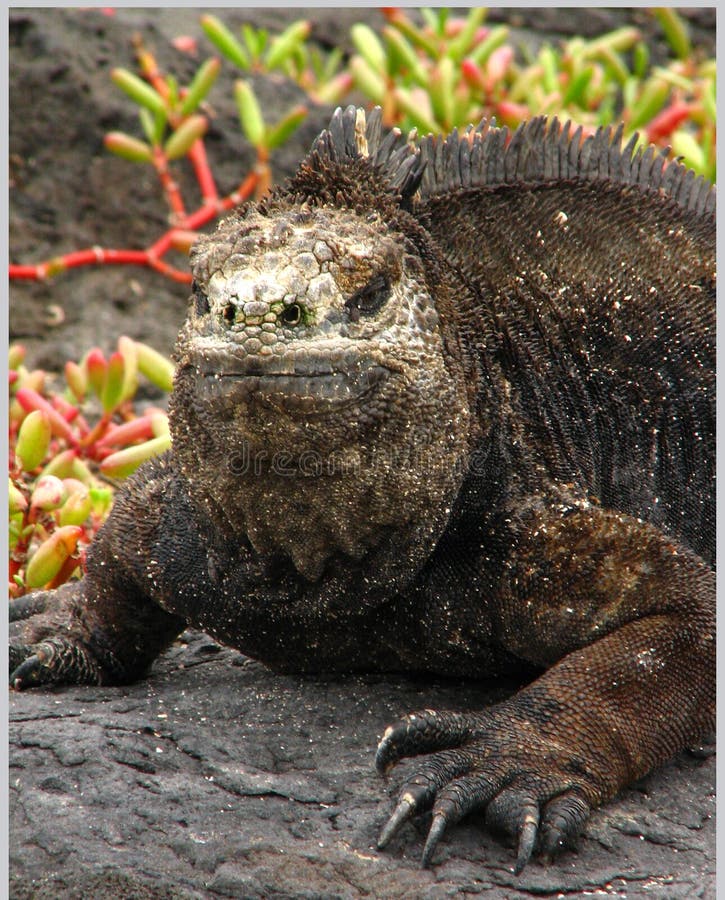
[(108, 627), (625, 619)]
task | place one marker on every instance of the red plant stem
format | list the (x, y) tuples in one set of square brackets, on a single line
[(264, 172), (242, 193), (93, 256), (159, 247), (64, 573), (171, 188), (197, 155), (97, 432), (151, 255), (170, 271), (149, 68), (89, 256)]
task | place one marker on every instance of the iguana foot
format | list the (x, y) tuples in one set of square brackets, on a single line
[(56, 661), (530, 787), (49, 657), (76, 635)]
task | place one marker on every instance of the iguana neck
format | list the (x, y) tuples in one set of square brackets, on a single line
[(355, 503)]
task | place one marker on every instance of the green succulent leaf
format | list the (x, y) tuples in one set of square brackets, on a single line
[(224, 41), (461, 44), (497, 37), (182, 139), (368, 45), (128, 147), (33, 439), (250, 114), (157, 368), (367, 80), (675, 30), (138, 90), (200, 85), (286, 127), (283, 46)]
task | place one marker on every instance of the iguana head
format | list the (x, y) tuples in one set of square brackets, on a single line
[(320, 340), (324, 315), (312, 314)]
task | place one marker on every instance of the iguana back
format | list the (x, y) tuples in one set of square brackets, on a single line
[(594, 272)]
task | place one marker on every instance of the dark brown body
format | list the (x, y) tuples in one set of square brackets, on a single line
[(510, 359)]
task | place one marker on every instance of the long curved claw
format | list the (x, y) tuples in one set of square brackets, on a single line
[(407, 806), (385, 756), (527, 840), (456, 800), (438, 826), (516, 812), (31, 672), (17, 654), (425, 731), (420, 791), (524, 791), (56, 661)]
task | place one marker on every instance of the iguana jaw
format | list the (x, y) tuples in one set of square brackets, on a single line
[(304, 380)]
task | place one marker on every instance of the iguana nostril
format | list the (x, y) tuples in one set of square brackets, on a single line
[(230, 313)]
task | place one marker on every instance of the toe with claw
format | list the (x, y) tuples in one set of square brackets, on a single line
[(518, 785)]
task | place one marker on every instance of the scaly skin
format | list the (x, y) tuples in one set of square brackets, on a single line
[(440, 412)]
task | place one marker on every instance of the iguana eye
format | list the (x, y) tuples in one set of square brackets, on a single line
[(292, 314), (201, 301), (370, 298)]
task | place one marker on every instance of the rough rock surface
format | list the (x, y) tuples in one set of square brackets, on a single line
[(216, 777)]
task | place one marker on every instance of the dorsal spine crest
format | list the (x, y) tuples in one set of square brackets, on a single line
[(539, 151)]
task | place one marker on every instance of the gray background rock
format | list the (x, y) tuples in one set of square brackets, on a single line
[(215, 777)]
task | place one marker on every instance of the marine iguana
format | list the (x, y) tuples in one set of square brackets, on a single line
[(445, 406)]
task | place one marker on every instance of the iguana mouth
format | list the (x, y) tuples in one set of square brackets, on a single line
[(321, 385), (306, 384)]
